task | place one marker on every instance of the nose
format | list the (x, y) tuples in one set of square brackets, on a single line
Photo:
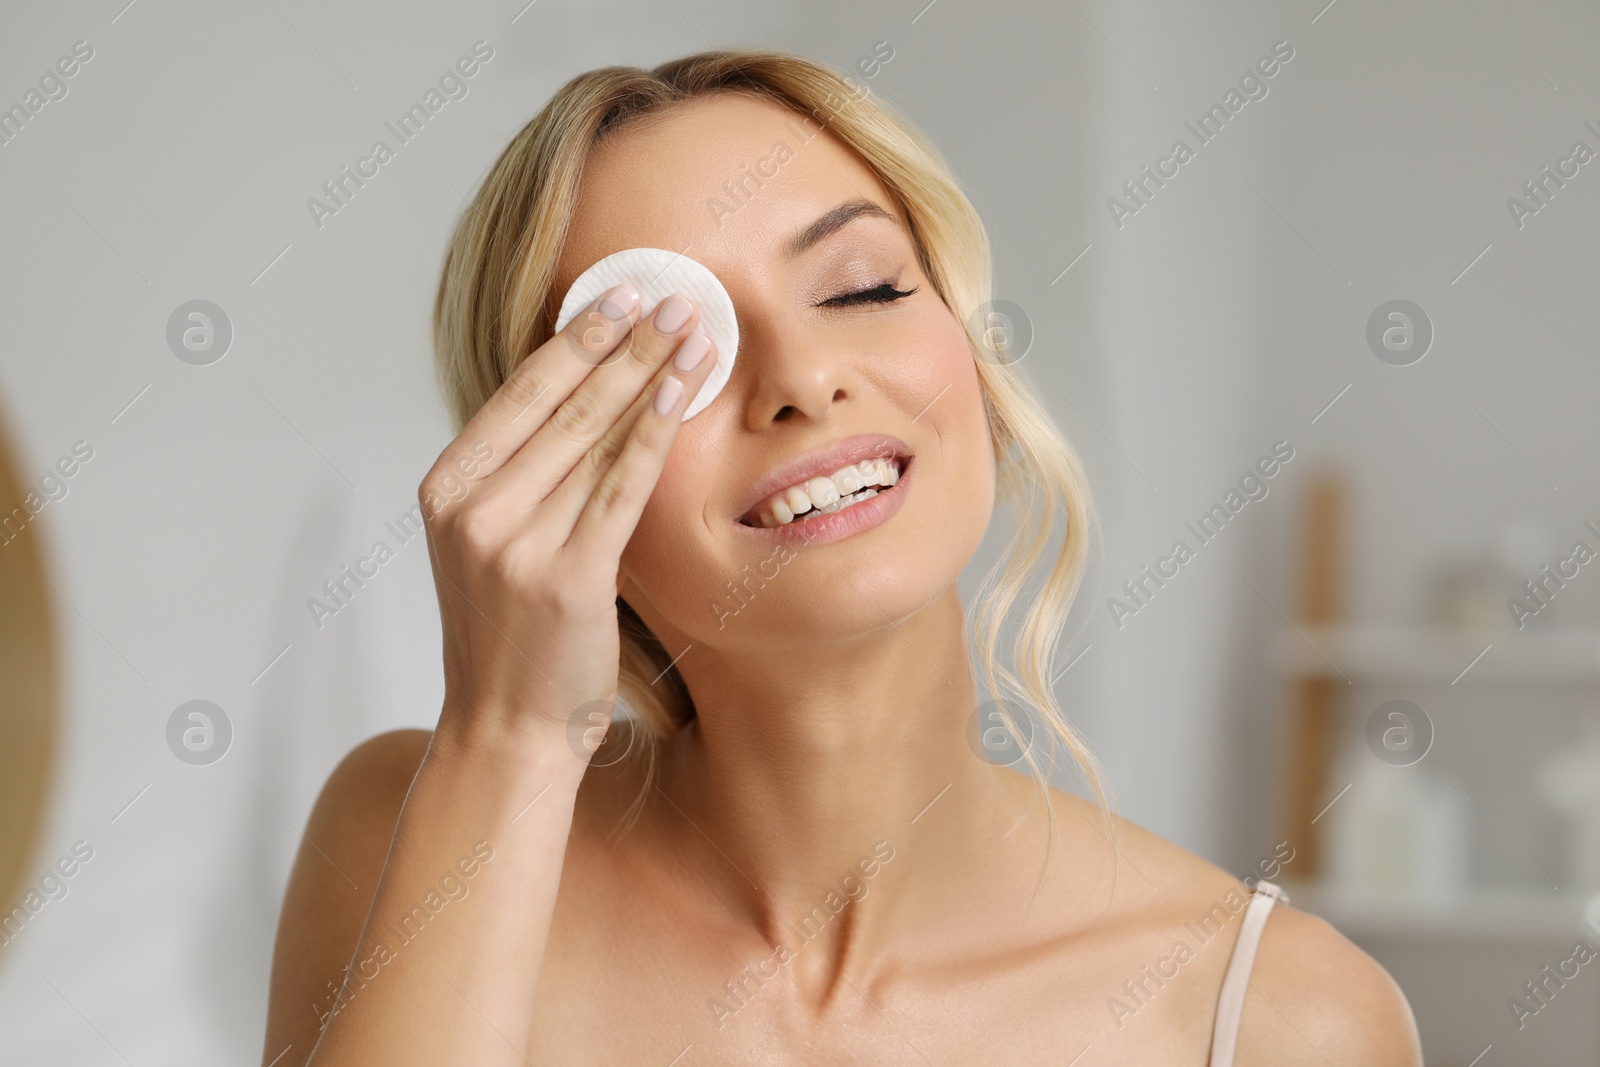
[(792, 371)]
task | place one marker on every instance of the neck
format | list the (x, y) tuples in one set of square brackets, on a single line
[(834, 790)]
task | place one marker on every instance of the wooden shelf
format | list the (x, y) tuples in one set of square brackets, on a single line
[(1476, 916), (1398, 653)]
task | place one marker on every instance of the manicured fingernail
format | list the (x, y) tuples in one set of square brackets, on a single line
[(619, 301), (667, 394), (673, 313), (692, 351)]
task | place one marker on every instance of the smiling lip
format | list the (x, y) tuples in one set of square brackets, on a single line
[(813, 529), (824, 462)]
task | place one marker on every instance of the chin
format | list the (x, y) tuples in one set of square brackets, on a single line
[(830, 592)]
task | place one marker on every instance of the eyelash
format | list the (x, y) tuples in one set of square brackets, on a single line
[(880, 294)]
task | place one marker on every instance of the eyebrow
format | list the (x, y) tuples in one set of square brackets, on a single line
[(833, 221)]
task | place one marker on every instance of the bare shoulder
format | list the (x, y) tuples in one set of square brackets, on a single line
[(1145, 860), (1316, 998), (370, 783), (345, 843)]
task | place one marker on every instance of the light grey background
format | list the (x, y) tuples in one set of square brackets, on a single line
[(1223, 317)]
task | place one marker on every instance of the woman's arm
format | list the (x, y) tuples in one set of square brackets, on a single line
[(330, 887), (445, 968), (527, 513)]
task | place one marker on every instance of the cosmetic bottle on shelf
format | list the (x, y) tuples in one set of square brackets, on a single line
[(1571, 783)]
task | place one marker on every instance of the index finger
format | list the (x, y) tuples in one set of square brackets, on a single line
[(538, 384)]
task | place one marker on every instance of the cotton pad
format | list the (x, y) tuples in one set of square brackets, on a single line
[(657, 274)]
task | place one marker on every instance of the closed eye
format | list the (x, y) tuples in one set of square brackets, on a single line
[(881, 294)]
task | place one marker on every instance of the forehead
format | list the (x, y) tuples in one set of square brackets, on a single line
[(726, 180)]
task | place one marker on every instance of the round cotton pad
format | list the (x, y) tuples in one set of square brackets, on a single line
[(657, 274)]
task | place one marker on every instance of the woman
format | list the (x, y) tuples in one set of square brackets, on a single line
[(800, 856)]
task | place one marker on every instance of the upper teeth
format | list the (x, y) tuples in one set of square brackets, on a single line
[(828, 492)]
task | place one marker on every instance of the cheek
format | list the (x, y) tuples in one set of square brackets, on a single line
[(672, 525), (929, 355), (941, 382), (948, 386), (935, 367)]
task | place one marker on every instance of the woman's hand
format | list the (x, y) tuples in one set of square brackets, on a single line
[(559, 464)]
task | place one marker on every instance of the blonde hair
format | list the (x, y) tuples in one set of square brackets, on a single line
[(495, 304)]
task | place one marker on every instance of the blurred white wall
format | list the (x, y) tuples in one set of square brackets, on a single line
[(1219, 319)]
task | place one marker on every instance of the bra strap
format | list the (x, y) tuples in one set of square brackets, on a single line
[(1230, 1002)]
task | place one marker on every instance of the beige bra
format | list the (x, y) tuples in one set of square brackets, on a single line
[(1230, 1002)]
